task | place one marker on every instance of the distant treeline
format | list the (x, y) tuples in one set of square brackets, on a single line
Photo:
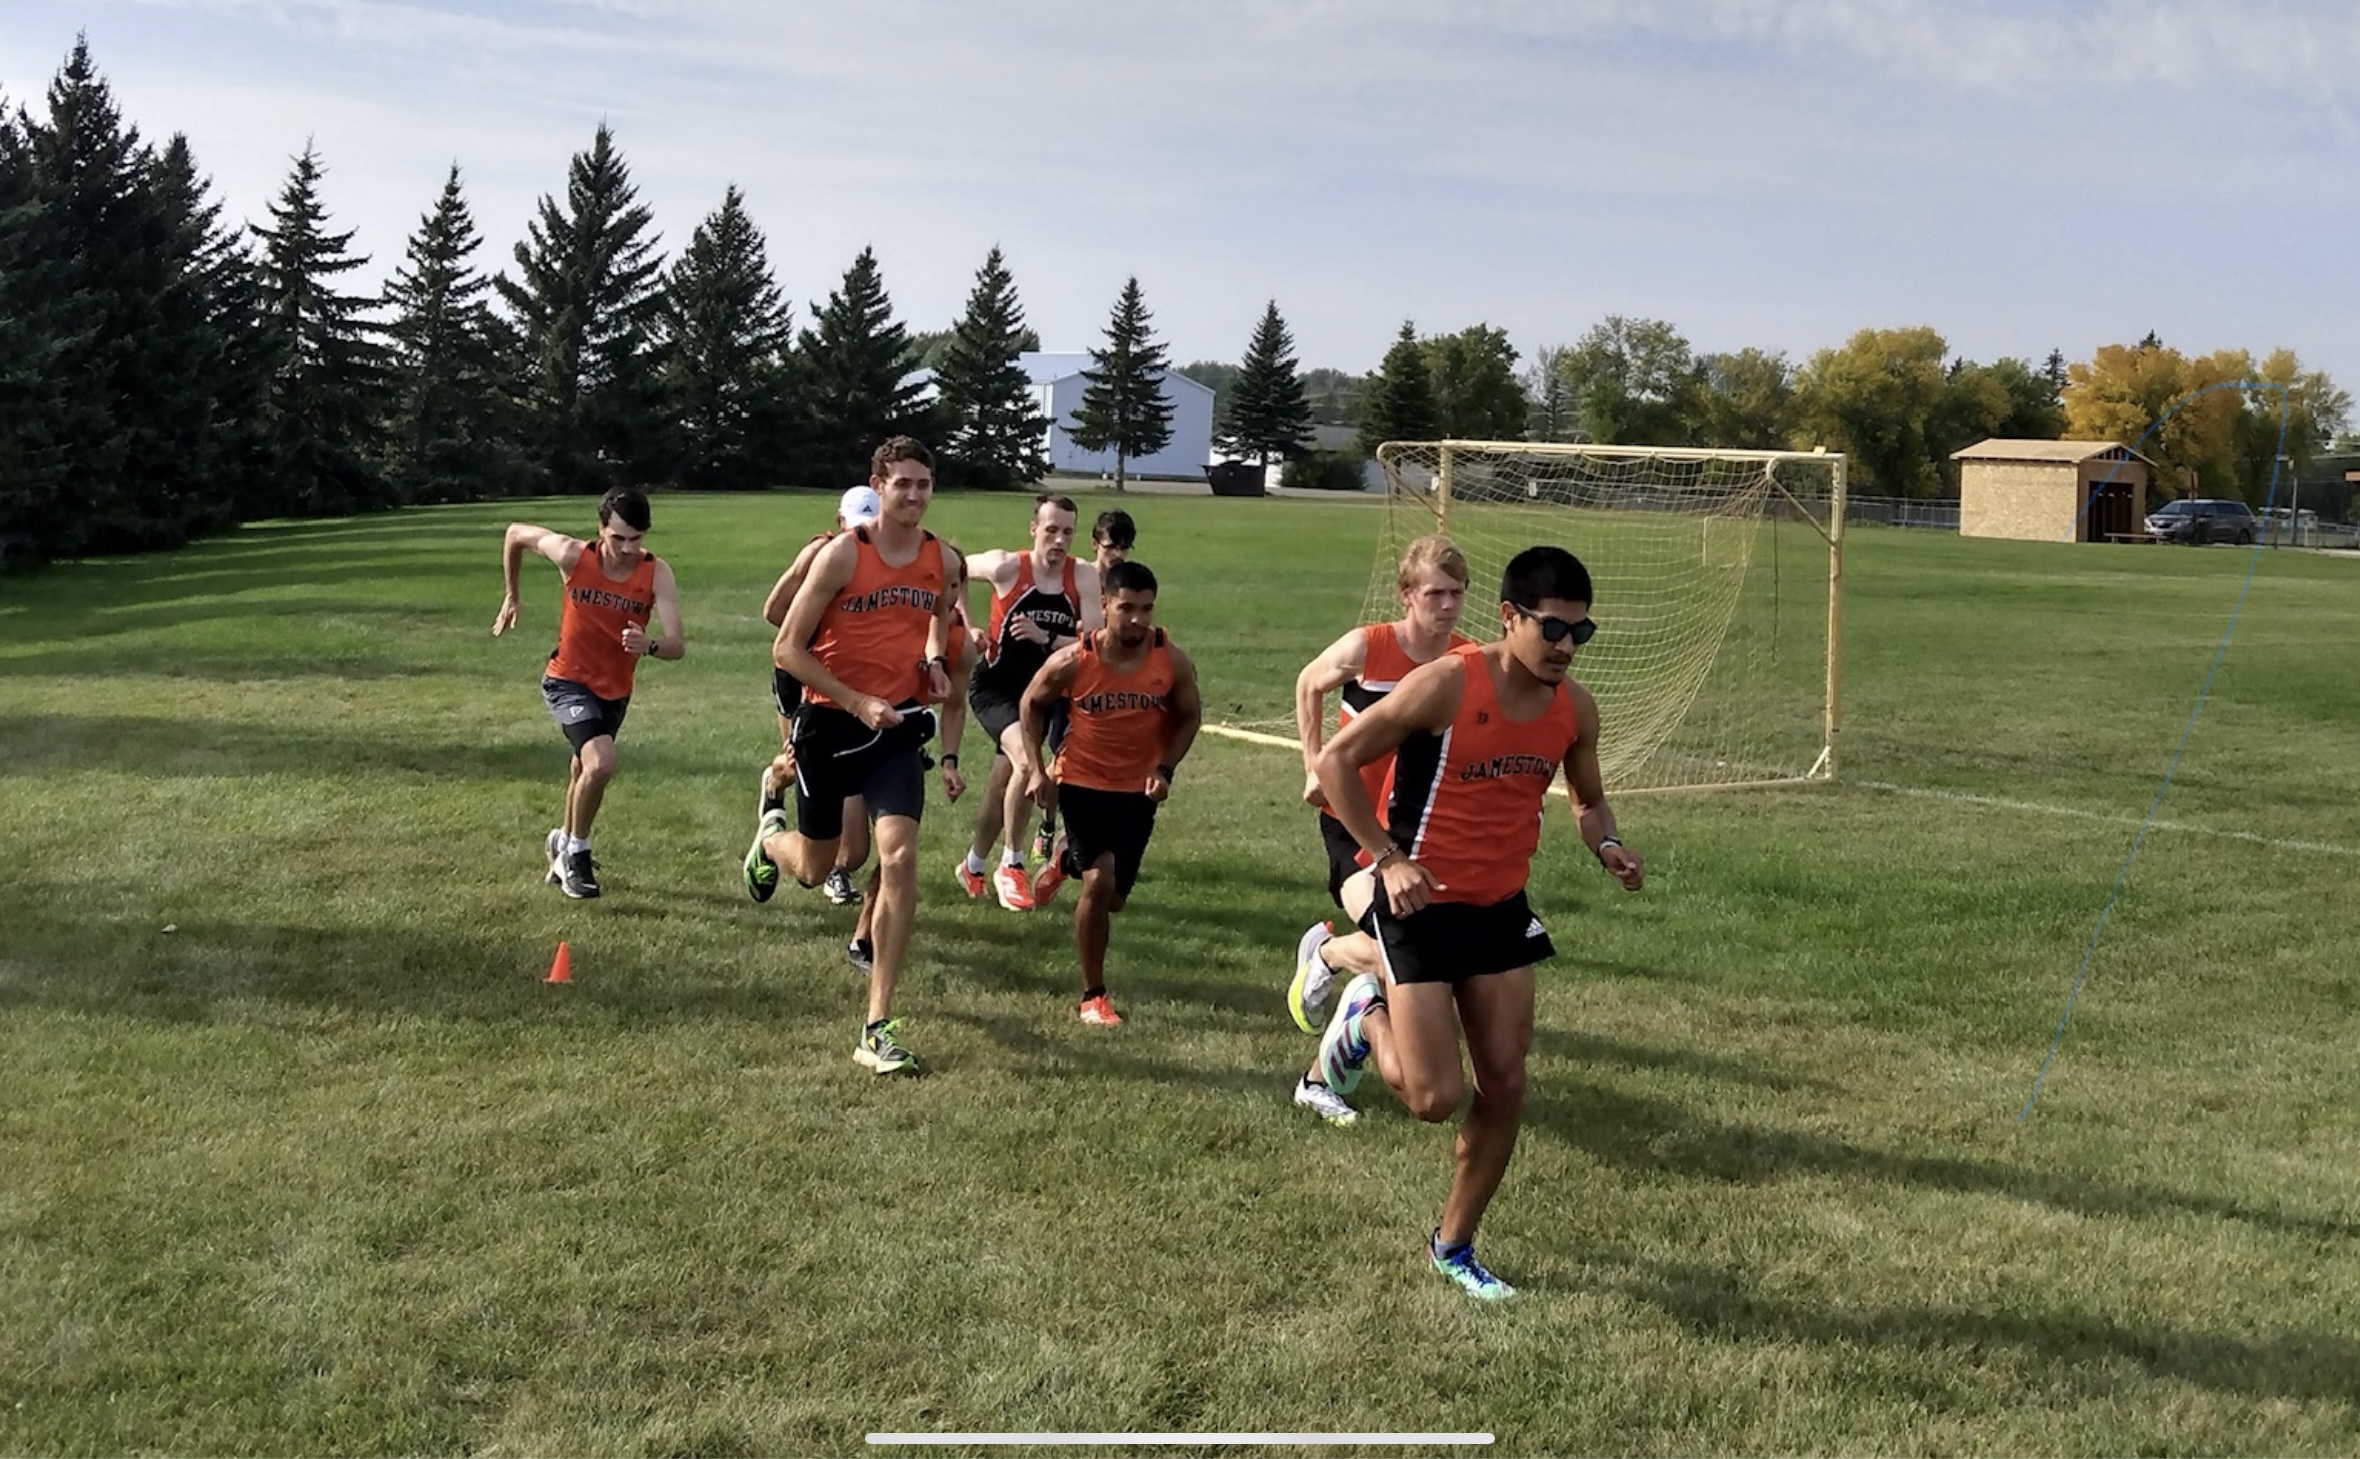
[(165, 372)]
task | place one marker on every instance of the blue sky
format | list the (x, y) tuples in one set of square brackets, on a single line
[(1776, 173)]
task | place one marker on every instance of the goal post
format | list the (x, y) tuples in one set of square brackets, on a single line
[(1719, 582)]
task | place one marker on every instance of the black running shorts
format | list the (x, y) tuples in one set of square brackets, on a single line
[(837, 757), (1099, 822), (786, 692), (994, 710), (581, 715), (1450, 942), (1343, 855)]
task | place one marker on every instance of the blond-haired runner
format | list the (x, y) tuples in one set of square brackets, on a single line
[(615, 591), (1361, 668), (866, 636), (1476, 736)]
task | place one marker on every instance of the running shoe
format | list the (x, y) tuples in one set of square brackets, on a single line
[(1324, 1102), (1045, 839), (555, 846), (578, 875), (1459, 1264), (973, 883), (880, 1052), (761, 871), (1343, 1049), (840, 889), (1100, 1012), (1044, 887), (1011, 886), (1314, 981), (862, 953)]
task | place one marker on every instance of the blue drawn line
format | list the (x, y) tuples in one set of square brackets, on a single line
[(2252, 562)]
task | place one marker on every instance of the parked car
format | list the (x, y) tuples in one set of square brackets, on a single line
[(2204, 519)]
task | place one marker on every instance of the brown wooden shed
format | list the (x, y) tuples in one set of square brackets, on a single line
[(2037, 490)]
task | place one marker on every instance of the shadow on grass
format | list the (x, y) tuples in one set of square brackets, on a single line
[(1097, 1054), (1638, 1133), (163, 747), (1587, 1048), (2302, 1366)]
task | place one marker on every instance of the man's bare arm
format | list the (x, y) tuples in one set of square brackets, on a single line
[(1188, 715), (1337, 665), (782, 592), (520, 538), (1586, 788)]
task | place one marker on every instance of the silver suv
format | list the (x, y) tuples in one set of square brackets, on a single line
[(2205, 519)]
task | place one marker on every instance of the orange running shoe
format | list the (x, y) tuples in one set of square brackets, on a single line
[(1044, 887), (1012, 886), (972, 883), (1100, 1012)]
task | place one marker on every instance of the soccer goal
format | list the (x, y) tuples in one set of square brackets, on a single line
[(1719, 582)]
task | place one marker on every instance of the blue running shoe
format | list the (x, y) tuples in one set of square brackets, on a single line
[(1459, 1264), (1343, 1049)]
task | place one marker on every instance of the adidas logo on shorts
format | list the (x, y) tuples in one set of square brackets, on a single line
[(1535, 930)]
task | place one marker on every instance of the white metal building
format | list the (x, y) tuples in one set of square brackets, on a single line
[(1057, 377)]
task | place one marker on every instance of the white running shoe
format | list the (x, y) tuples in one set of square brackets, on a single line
[(1324, 1102), (1314, 981), (555, 846)]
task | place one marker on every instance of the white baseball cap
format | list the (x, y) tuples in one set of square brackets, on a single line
[(859, 507)]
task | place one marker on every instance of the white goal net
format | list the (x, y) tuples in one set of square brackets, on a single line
[(1718, 577)]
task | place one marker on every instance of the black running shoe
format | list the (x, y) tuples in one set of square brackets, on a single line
[(579, 875)]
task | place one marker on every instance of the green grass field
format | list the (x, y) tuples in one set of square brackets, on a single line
[(301, 1156)]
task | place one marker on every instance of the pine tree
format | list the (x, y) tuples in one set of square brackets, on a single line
[(853, 376), (327, 377), (1123, 407), (92, 230), (211, 353), (30, 341), (1398, 404), (1265, 412), (444, 384), (726, 334), (997, 430), (584, 307)]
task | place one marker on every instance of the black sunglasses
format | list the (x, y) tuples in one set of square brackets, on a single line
[(1554, 630)]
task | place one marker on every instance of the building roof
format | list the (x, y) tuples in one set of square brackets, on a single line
[(1044, 366), (2002, 448)]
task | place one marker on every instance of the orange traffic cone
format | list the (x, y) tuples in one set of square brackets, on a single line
[(559, 971)]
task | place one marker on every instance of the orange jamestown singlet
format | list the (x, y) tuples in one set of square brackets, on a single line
[(590, 626), (873, 636), (1384, 663), (1467, 802), (1121, 723)]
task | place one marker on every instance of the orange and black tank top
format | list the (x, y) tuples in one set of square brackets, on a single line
[(1467, 802), (1122, 720), (873, 636), (1009, 662), (590, 626), (1383, 664)]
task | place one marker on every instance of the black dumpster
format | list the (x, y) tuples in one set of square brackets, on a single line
[(1235, 478)]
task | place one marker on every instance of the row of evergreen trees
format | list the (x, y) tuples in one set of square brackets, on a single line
[(164, 372)]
